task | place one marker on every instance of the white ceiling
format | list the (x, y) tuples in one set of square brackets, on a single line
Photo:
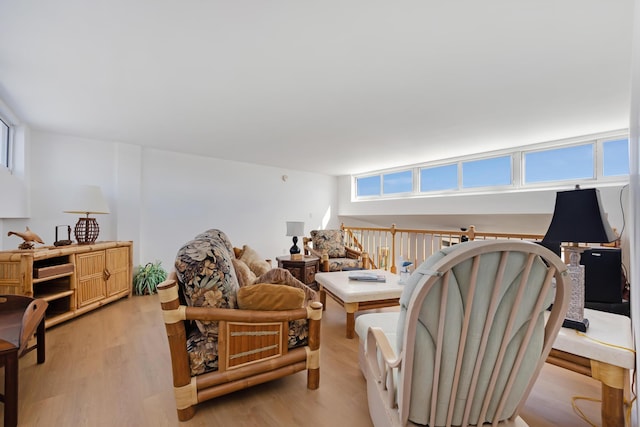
[(332, 86)]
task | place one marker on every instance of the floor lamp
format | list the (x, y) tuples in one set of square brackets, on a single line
[(578, 218)]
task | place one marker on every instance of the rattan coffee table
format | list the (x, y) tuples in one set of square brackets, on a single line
[(356, 295)]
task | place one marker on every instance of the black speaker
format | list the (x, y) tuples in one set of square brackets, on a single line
[(602, 275)]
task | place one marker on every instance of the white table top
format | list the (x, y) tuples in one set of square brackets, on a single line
[(608, 339), (338, 283)]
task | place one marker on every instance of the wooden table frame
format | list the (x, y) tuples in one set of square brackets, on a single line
[(613, 379), (352, 307), (604, 353), (353, 304)]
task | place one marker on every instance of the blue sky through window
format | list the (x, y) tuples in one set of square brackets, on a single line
[(615, 157), (397, 182), (439, 178), (368, 186), (559, 164), (487, 172)]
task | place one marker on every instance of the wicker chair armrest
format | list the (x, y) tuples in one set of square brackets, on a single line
[(306, 245), (381, 360), (168, 291), (353, 253), (308, 250), (247, 316)]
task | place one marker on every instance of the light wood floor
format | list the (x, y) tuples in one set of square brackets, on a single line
[(111, 368)]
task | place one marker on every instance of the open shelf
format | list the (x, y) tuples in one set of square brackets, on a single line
[(55, 296), (58, 306), (53, 288), (57, 276)]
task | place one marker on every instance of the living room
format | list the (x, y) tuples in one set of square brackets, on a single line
[(160, 196)]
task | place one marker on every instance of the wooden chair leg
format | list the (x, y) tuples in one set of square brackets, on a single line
[(11, 388), (313, 357), (187, 413), (40, 342)]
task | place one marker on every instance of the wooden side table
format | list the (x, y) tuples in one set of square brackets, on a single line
[(606, 352), (304, 270)]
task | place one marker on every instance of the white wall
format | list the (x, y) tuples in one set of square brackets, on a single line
[(58, 165), (184, 195), (161, 199)]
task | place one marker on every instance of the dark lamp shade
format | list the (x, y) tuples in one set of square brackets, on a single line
[(578, 218)]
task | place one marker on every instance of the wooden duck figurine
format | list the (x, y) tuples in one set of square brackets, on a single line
[(28, 236)]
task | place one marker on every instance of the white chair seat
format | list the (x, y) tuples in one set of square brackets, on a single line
[(387, 321)]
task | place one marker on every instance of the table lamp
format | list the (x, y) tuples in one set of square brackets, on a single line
[(295, 229), (578, 218), (88, 200)]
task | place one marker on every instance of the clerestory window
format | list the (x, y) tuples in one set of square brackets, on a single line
[(578, 160)]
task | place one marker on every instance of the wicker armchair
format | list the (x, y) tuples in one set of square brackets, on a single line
[(243, 362), (470, 338), (224, 337), (329, 246)]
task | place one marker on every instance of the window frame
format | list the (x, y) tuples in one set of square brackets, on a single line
[(6, 145), (518, 169)]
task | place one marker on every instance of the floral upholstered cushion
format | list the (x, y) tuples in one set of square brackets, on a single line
[(206, 274), (203, 352), (216, 234), (331, 241), (339, 264)]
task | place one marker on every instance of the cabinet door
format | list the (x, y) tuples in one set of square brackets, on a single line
[(296, 271), (118, 271), (90, 268), (310, 273), (12, 278)]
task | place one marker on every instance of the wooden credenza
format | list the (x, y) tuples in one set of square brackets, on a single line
[(73, 279)]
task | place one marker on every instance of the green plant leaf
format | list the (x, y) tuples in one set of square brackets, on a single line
[(147, 278)]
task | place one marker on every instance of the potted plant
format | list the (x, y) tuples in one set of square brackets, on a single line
[(147, 278)]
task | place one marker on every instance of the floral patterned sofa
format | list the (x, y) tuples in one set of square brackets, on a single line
[(232, 321)]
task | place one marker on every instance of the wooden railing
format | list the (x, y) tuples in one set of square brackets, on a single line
[(385, 246)]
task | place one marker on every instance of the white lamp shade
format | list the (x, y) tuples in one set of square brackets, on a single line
[(295, 228), (89, 199)]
